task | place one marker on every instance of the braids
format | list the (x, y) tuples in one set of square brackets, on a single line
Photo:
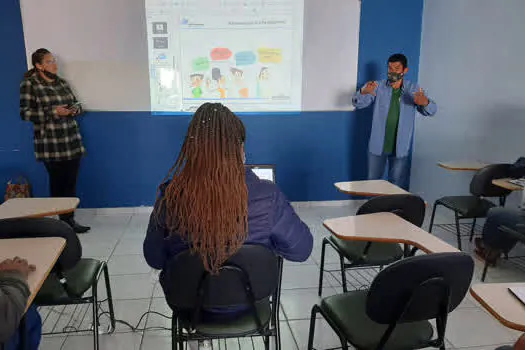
[(206, 203)]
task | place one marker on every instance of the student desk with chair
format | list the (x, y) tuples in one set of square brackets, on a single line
[(369, 188), (462, 166), (37, 207), (501, 303), (41, 252), (387, 228)]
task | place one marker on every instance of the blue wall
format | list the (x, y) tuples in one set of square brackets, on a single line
[(130, 152)]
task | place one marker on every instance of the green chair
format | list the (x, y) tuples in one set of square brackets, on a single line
[(363, 254), (72, 277), (249, 283), (475, 206), (393, 314)]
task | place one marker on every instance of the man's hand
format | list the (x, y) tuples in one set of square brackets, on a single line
[(420, 99), (63, 111), (17, 265), (369, 88)]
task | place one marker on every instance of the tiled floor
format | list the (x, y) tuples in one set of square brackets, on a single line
[(117, 238)]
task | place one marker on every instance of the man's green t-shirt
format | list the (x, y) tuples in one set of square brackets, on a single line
[(392, 122)]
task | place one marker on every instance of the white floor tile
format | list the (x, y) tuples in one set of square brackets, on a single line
[(306, 276), (324, 338), (120, 341), (130, 311), (297, 303), (129, 287), (51, 343), (128, 265), (130, 246), (473, 327)]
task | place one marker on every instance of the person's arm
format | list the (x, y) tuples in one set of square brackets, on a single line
[(29, 109), (290, 236), (365, 96), (154, 247), (424, 105), (14, 293)]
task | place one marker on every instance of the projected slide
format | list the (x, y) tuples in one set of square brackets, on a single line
[(246, 54)]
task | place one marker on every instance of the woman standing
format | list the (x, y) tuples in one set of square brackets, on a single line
[(48, 102)]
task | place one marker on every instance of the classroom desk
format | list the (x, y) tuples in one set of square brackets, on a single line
[(504, 183), (462, 166), (369, 188), (41, 252), (501, 303), (37, 207), (386, 227)]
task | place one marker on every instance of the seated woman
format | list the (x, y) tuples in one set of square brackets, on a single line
[(494, 241), (212, 205)]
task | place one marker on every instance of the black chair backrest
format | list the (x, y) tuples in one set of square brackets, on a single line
[(417, 288), (45, 227), (481, 184), (185, 277), (409, 207)]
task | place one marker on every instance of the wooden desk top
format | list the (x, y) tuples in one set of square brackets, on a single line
[(369, 188), (41, 252), (501, 303), (37, 207), (386, 227), (504, 183), (462, 166)]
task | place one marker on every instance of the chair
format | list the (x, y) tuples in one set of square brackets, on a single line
[(249, 281), (394, 312), (361, 254), (72, 276), (475, 206)]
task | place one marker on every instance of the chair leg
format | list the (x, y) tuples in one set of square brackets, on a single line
[(96, 345), (343, 273), (502, 201), (110, 299), (472, 229), (321, 267), (432, 217), (458, 230), (311, 333), (484, 273), (266, 340)]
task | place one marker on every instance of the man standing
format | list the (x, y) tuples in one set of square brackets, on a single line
[(396, 101)]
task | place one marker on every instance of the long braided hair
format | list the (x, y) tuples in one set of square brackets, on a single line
[(206, 201)]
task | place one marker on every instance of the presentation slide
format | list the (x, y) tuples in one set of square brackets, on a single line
[(246, 54)]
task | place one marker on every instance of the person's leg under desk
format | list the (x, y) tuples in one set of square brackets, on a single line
[(376, 166), (493, 237), (398, 171), (69, 185)]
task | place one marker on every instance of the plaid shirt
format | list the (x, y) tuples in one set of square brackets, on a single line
[(56, 138)]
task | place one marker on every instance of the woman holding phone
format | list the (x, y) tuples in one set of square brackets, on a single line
[(48, 102)]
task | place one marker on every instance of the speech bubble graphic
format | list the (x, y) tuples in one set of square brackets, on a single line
[(220, 54), (201, 64), (267, 55), (245, 58)]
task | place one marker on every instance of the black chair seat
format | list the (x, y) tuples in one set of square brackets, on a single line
[(378, 253), (348, 312), (237, 327), (79, 280), (467, 206)]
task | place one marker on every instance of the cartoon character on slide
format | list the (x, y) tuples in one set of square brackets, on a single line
[(217, 83), (264, 88), (196, 84), (238, 80)]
